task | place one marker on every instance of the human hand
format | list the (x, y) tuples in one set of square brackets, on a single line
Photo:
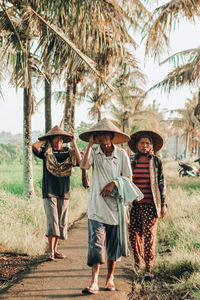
[(91, 140), (107, 189), (73, 138), (163, 212)]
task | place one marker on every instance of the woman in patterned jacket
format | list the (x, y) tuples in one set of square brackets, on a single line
[(149, 178), (58, 162)]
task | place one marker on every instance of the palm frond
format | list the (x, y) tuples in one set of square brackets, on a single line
[(89, 62), (12, 24), (189, 55), (164, 20), (176, 78)]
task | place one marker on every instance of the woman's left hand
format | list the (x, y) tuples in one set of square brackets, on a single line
[(73, 138)]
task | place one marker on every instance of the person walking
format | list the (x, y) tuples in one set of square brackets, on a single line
[(58, 162), (108, 162), (148, 176)]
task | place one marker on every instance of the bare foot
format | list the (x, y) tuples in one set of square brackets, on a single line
[(92, 289), (110, 286)]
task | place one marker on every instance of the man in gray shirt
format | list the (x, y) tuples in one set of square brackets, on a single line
[(108, 162)]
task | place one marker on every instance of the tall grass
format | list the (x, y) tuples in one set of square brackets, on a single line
[(22, 221), (177, 263)]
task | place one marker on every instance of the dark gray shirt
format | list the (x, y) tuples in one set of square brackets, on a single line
[(53, 186)]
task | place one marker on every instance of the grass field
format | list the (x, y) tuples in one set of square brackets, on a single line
[(22, 228), (177, 263)]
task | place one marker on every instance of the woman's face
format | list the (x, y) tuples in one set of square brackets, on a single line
[(57, 142), (145, 146)]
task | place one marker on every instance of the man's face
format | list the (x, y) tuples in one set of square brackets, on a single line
[(57, 141), (103, 137), (144, 145)]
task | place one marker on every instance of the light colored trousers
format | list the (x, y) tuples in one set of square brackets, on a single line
[(56, 210)]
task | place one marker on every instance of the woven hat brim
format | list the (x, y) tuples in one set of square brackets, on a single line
[(119, 138), (66, 138), (57, 131), (157, 139)]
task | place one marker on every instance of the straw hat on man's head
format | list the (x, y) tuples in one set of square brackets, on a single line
[(105, 125), (56, 131), (155, 137)]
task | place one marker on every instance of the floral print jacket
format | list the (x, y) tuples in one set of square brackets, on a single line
[(158, 185)]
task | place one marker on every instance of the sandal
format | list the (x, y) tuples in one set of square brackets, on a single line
[(90, 291), (59, 255), (109, 286), (50, 257), (148, 276)]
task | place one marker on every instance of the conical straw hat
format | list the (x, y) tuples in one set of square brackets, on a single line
[(156, 138), (56, 131), (106, 125)]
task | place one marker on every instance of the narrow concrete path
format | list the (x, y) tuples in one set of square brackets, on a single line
[(65, 279)]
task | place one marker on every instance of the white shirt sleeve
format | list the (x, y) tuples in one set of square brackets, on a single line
[(126, 165)]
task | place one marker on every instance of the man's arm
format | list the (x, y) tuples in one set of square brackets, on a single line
[(36, 147), (85, 162)]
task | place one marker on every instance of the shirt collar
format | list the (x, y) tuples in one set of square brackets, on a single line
[(98, 150)]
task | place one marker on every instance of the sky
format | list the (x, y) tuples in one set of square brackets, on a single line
[(186, 36)]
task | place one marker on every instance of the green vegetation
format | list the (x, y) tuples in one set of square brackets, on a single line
[(177, 263), (22, 220)]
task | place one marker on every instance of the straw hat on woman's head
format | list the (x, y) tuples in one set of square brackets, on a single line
[(105, 125), (56, 131), (155, 137)]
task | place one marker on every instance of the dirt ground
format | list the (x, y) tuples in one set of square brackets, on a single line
[(11, 265), (28, 278)]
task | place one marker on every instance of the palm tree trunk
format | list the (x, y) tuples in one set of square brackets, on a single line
[(176, 145), (196, 148), (73, 102), (99, 115), (187, 144), (48, 121), (28, 189), (97, 96), (68, 106)]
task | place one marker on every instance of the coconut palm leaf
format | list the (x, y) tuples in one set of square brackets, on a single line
[(188, 55), (164, 20), (9, 18), (176, 78), (89, 62)]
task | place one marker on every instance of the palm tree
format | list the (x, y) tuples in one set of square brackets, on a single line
[(19, 28), (129, 101), (16, 51), (108, 31), (187, 63), (188, 124), (48, 119)]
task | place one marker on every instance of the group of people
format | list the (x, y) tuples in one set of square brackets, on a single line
[(120, 185)]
